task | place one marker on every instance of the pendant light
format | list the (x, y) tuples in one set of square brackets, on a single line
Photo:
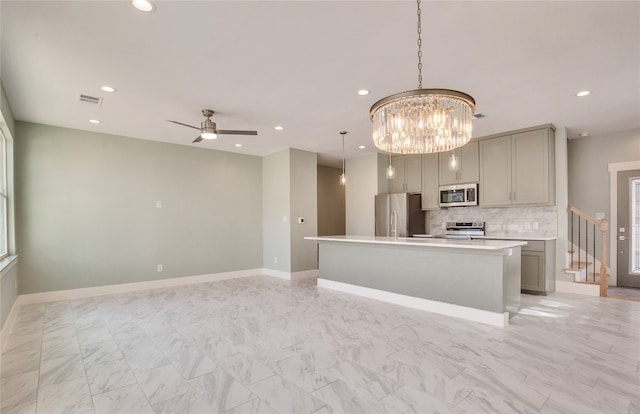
[(391, 172), (343, 178), (453, 161), (422, 121)]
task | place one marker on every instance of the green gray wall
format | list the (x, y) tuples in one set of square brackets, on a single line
[(290, 192), (304, 205), (331, 207), (86, 209), (275, 211), (589, 158), (588, 161), (365, 180)]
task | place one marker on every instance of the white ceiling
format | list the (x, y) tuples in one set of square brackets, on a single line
[(299, 64)]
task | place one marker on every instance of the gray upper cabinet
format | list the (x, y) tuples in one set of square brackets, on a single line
[(467, 170), (518, 169), (408, 174), (532, 168), (430, 182), (495, 171)]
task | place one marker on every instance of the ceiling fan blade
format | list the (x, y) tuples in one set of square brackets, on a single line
[(197, 139), (234, 132), (180, 123)]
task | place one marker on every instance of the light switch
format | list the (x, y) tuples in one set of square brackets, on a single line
[(159, 204)]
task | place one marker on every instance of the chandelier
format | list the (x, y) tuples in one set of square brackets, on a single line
[(422, 121)]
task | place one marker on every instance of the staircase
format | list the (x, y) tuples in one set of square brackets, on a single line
[(587, 254)]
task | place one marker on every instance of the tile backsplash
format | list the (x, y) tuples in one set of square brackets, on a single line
[(531, 221)]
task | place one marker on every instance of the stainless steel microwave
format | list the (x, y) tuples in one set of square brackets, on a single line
[(459, 195)]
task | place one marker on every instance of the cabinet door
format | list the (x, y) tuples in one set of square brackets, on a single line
[(530, 180), (532, 271), (469, 170), (447, 176), (430, 194), (495, 171), (413, 173), (396, 185)]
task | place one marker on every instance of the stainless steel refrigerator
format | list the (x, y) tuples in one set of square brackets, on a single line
[(405, 208)]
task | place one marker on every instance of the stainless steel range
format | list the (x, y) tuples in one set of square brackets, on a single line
[(464, 229)]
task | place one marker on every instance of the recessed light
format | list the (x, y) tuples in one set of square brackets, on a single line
[(108, 88), (584, 134), (363, 92), (362, 147), (94, 121), (142, 5), (583, 93), (238, 145), (278, 128)]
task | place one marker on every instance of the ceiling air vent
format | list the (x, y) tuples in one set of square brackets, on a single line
[(91, 100), (478, 115)]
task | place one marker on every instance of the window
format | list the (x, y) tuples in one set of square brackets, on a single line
[(3, 196), (635, 225)]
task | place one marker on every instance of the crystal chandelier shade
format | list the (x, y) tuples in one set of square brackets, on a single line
[(422, 121)]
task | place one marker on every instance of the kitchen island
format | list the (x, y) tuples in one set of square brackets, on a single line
[(478, 280)]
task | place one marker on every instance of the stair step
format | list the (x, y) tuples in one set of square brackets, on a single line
[(588, 282), (579, 265)]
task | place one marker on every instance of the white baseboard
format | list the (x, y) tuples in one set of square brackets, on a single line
[(448, 309), (578, 288), (306, 274), (132, 287)]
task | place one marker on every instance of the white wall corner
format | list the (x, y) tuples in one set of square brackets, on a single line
[(306, 274), (577, 288)]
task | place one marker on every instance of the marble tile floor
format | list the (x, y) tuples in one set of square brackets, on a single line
[(265, 345), (627, 293)]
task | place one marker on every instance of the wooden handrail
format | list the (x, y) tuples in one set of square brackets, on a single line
[(603, 225), (586, 216)]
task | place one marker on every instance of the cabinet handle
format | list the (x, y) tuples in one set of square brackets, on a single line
[(514, 196)]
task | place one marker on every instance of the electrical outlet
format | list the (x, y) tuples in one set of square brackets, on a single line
[(160, 268), (275, 260)]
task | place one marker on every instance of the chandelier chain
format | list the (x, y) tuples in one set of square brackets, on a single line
[(419, 46)]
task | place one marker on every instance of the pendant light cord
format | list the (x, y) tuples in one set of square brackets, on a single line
[(343, 133), (419, 46)]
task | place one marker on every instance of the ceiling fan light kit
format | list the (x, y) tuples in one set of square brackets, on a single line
[(422, 121), (209, 130), (208, 127)]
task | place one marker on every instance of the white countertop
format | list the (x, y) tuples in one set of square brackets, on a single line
[(411, 241), (490, 237)]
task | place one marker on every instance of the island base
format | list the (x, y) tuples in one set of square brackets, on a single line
[(462, 312), (474, 284)]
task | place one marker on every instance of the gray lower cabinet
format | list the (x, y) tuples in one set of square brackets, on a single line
[(538, 267)]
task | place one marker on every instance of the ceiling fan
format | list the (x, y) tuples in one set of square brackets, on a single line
[(208, 128)]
